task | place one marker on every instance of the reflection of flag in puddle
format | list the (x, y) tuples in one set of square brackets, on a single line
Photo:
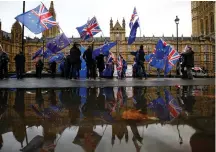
[(160, 108), (173, 106)]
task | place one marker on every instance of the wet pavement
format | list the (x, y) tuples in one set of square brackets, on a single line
[(128, 82), (130, 119)]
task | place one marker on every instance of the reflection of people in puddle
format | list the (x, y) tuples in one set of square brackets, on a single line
[(100, 101), (19, 105), (39, 98), (202, 142), (18, 126), (3, 102), (139, 99), (90, 105), (188, 98), (136, 135), (52, 97), (71, 100)]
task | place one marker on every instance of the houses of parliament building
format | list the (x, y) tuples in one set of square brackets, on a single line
[(202, 39)]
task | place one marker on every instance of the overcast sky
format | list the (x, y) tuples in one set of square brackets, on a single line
[(156, 16)]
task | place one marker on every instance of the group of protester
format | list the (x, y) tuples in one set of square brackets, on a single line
[(71, 65), (105, 64)]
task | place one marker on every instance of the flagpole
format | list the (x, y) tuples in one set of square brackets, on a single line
[(23, 28), (63, 32)]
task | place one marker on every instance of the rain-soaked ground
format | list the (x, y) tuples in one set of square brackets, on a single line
[(128, 119)]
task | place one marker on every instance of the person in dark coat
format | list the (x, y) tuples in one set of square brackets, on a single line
[(140, 58), (53, 69), (20, 64), (39, 67), (100, 64), (75, 54), (4, 65), (90, 63), (189, 61)]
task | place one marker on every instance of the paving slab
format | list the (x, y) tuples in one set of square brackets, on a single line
[(128, 82)]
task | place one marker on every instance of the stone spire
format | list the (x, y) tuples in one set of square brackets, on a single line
[(52, 10), (111, 23), (123, 23)]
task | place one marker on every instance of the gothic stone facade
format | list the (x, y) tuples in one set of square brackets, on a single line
[(204, 47)]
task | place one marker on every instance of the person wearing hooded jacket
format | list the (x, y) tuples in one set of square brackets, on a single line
[(189, 61)]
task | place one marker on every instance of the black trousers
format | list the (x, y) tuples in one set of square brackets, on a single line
[(91, 70), (38, 72), (74, 70), (53, 72), (19, 72), (3, 71), (141, 64)]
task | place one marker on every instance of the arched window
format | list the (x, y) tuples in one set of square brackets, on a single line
[(201, 26), (212, 22), (206, 26)]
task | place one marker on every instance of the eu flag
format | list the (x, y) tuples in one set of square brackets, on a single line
[(133, 31), (104, 48), (161, 49), (37, 53), (157, 63), (57, 57), (58, 43), (37, 20), (47, 53), (83, 64)]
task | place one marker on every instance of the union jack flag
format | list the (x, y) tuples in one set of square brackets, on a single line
[(120, 97), (119, 66), (173, 106), (133, 17), (90, 29), (172, 59), (37, 20)]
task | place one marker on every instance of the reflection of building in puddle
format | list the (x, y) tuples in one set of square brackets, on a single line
[(86, 137)]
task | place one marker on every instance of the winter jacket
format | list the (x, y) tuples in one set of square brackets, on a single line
[(188, 58), (75, 55)]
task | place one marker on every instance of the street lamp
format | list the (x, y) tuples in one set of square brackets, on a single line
[(177, 22)]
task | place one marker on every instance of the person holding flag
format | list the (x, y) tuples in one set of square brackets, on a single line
[(140, 59)]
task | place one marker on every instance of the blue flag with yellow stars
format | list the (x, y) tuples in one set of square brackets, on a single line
[(56, 58), (83, 64), (38, 19), (162, 49), (104, 49), (58, 43)]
